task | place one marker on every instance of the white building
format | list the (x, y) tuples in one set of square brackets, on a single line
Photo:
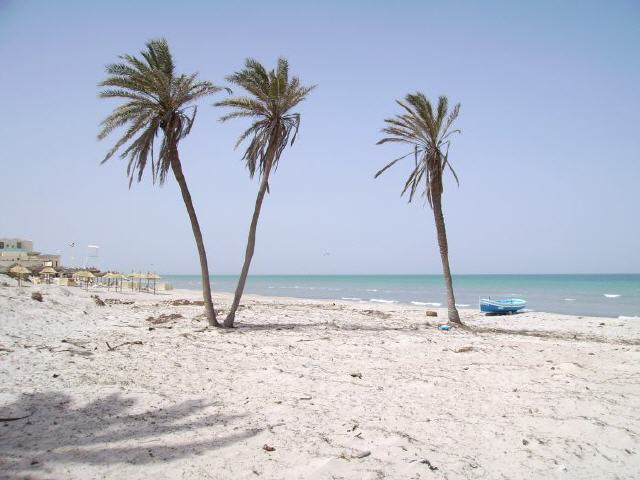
[(18, 250)]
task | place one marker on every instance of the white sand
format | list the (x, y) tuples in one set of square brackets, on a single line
[(191, 404)]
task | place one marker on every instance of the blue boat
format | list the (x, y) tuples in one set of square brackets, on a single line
[(502, 305)]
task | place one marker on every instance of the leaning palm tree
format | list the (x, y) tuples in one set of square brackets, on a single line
[(272, 95), (158, 103), (429, 133)]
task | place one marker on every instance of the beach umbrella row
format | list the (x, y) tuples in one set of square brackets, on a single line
[(85, 275)]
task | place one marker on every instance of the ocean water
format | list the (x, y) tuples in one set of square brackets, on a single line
[(615, 295)]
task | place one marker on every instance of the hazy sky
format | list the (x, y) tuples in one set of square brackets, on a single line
[(548, 158)]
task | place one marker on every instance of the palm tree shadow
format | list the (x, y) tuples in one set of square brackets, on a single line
[(301, 326), (105, 432)]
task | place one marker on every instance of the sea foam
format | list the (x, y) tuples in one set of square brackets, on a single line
[(624, 317), (380, 300), (351, 298), (611, 295), (431, 304)]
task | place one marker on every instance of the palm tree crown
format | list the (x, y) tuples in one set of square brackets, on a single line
[(273, 95), (158, 102), (429, 135)]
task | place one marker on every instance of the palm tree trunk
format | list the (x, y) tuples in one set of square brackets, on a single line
[(444, 255), (251, 244), (204, 267)]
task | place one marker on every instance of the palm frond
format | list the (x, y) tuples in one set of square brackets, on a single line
[(271, 97), (429, 135), (160, 105)]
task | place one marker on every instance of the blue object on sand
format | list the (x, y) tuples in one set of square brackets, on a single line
[(444, 327), (502, 305)]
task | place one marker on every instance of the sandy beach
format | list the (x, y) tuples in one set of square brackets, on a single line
[(139, 388)]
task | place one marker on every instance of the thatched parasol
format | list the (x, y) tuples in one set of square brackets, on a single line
[(86, 275), (133, 276), (47, 271), (115, 276), (154, 277), (20, 271)]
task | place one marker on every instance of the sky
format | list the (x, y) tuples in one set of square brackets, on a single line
[(548, 158)]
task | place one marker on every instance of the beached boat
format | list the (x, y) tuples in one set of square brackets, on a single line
[(502, 305)]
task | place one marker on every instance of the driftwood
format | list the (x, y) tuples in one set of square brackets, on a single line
[(98, 300), (164, 318), (117, 301), (111, 349), (13, 419)]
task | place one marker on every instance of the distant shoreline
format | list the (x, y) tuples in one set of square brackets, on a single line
[(607, 295)]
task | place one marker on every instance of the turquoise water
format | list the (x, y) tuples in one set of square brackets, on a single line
[(571, 294)]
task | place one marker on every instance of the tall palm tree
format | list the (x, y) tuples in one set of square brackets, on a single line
[(272, 95), (158, 103), (429, 133)]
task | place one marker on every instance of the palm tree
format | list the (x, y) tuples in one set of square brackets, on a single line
[(430, 135), (272, 95), (158, 103)]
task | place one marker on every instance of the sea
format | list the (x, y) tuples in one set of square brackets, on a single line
[(610, 295)]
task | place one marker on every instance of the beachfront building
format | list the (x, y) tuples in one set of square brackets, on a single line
[(19, 251)]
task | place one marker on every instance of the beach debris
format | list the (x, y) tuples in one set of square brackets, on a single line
[(37, 296), (444, 328), (164, 318), (429, 464), (117, 301), (305, 397), (362, 454), (377, 313), (431, 313), (467, 348), (98, 301), (13, 419), (356, 375), (525, 442), (55, 375), (111, 349), (184, 302), (74, 343), (268, 448)]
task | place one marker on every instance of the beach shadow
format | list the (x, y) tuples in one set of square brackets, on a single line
[(54, 431), (502, 314), (242, 327), (551, 335)]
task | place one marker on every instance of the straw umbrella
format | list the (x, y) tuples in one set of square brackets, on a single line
[(20, 271), (109, 276), (121, 277), (47, 271), (86, 275), (115, 276), (154, 277), (133, 276)]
